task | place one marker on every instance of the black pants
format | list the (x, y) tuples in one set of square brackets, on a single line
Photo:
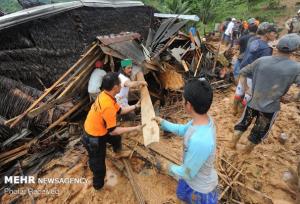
[(263, 124), (96, 148)]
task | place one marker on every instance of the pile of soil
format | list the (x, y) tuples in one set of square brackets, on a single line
[(265, 167)]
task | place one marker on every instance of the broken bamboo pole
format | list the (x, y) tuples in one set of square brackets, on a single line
[(216, 58), (198, 65), (20, 117), (151, 130), (46, 106), (136, 189), (62, 118)]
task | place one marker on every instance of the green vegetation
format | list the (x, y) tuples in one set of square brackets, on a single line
[(10, 6), (209, 11), (214, 11)]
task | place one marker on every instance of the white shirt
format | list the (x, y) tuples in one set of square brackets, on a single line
[(122, 97), (229, 28), (95, 81)]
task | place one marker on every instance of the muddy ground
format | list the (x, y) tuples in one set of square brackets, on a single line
[(265, 167)]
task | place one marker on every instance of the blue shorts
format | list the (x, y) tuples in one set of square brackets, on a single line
[(188, 195), (227, 38)]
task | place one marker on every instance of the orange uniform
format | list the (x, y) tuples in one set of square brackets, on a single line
[(102, 115)]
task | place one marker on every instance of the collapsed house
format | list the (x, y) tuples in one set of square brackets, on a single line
[(48, 54)]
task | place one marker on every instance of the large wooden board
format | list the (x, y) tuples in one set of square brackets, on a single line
[(151, 130)]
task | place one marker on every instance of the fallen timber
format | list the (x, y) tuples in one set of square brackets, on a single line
[(160, 64)]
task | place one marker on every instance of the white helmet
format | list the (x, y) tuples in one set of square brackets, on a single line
[(298, 11)]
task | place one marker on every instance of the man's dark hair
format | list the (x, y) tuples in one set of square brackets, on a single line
[(110, 80), (200, 94), (252, 28)]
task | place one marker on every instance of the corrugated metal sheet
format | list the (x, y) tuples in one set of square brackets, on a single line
[(52, 9), (130, 49)]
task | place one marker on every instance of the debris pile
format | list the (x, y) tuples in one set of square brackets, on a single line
[(167, 59)]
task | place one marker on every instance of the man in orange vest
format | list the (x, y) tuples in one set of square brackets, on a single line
[(100, 127)]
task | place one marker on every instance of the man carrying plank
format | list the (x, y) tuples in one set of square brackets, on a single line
[(100, 127)]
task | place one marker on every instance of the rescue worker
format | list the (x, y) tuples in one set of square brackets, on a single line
[(272, 77), (293, 24), (198, 179), (126, 84), (100, 127), (95, 81), (257, 47)]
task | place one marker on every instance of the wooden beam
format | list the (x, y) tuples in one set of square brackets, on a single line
[(216, 59), (20, 117), (151, 130), (46, 106), (62, 118), (135, 187), (198, 64), (185, 66)]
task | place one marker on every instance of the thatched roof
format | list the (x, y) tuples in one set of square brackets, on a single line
[(40, 43)]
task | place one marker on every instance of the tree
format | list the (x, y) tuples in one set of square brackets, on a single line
[(177, 6), (206, 11)]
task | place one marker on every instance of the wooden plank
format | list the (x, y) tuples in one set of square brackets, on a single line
[(151, 130), (162, 151), (45, 107), (216, 59), (185, 66), (62, 118), (20, 117), (135, 187), (198, 65), (78, 78)]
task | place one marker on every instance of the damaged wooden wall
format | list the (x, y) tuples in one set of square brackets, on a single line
[(38, 52)]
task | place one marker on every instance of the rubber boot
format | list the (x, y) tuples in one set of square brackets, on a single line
[(249, 147), (235, 138)]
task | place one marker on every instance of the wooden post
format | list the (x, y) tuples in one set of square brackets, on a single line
[(20, 117), (62, 118), (216, 59), (151, 130)]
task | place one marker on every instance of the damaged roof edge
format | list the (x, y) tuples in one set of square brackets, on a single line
[(179, 16), (25, 15)]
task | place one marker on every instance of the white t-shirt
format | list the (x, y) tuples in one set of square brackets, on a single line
[(122, 97), (229, 29), (95, 81)]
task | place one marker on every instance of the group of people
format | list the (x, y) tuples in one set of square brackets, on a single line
[(232, 29), (263, 78), (109, 97)]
